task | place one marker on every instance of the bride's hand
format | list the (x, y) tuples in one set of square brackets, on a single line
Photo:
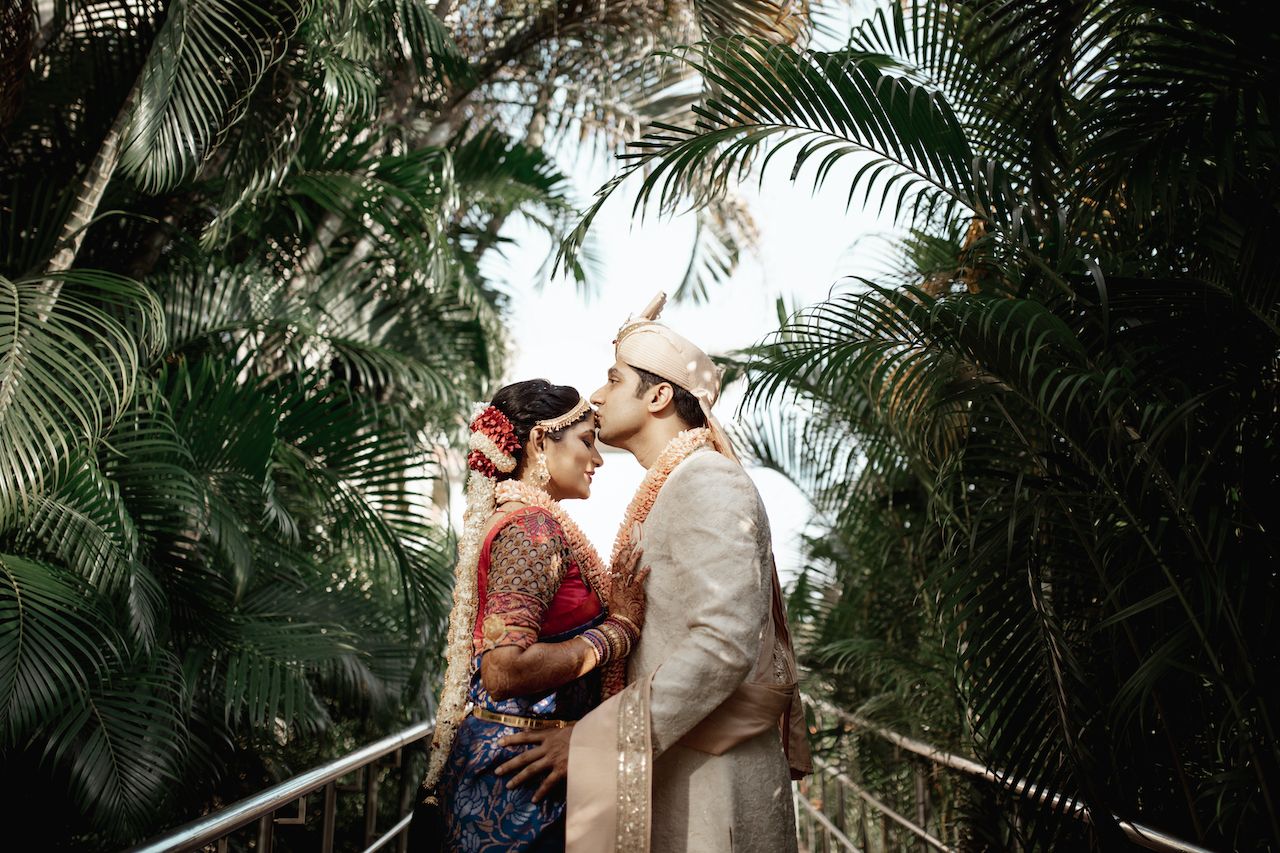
[(627, 596)]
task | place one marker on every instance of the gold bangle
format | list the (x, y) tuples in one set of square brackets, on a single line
[(632, 625), (619, 641)]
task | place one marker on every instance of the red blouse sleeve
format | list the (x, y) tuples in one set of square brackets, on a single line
[(526, 565)]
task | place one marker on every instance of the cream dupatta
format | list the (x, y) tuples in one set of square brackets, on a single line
[(610, 775)]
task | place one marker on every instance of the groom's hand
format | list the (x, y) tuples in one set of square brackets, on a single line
[(549, 754)]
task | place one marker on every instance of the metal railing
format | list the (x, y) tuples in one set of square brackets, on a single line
[(215, 829), (835, 812), (827, 832)]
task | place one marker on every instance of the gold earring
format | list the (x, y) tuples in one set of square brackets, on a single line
[(539, 473)]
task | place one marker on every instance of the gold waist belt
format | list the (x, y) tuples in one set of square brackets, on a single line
[(518, 722)]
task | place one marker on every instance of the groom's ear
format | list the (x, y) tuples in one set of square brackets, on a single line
[(660, 395)]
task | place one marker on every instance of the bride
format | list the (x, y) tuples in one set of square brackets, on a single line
[(539, 631)]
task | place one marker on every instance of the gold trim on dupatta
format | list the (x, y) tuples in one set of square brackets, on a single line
[(610, 776), (635, 765)]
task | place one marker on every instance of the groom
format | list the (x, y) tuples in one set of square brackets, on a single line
[(697, 753)]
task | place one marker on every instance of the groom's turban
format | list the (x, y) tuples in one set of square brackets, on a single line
[(648, 345)]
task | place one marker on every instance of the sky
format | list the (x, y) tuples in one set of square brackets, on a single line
[(808, 241)]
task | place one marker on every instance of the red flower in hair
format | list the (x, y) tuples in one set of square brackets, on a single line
[(481, 464), (493, 423)]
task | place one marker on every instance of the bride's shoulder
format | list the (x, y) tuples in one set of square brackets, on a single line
[(522, 515), (502, 514)]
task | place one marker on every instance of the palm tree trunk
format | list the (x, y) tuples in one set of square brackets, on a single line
[(95, 182)]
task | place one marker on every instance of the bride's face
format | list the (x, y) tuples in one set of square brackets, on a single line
[(573, 460)]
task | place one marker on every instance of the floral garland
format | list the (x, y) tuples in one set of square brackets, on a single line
[(493, 443), (482, 499), (459, 644), (676, 451)]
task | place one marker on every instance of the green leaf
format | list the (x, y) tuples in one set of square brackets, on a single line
[(768, 97), (55, 642), (268, 666), (122, 744), (67, 370), (205, 61)]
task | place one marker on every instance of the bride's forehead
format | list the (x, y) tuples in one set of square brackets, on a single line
[(584, 427)]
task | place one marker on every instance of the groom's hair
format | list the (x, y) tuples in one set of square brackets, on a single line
[(687, 406)]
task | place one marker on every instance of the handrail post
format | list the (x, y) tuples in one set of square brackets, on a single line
[(922, 806), (822, 800), (370, 802), (266, 833), (841, 810), (330, 816), (406, 790)]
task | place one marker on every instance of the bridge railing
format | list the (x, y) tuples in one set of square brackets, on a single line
[(835, 811), (262, 811)]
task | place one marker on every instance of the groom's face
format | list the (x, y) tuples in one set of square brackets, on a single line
[(620, 412)]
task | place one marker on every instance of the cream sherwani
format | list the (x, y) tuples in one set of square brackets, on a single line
[(707, 543)]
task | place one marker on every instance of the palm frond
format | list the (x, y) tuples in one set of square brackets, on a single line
[(122, 744), (499, 174), (783, 21), (150, 462), (910, 147), (34, 209), (67, 369), (364, 472), (83, 524), (269, 660), (725, 230), (427, 41), (407, 196), (55, 643), (205, 60)]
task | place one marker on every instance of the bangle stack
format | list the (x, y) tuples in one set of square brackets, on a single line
[(612, 639)]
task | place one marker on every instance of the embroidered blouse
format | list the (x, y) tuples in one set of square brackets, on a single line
[(530, 584)]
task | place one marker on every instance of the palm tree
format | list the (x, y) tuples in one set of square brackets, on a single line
[(1067, 386), (242, 309)]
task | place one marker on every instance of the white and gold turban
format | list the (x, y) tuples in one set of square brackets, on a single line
[(646, 344)]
